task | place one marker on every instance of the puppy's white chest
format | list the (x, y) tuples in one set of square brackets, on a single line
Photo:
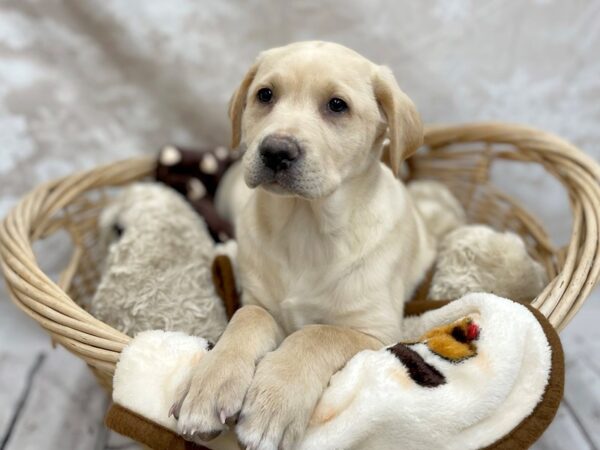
[(302, 300), (288, 288), (297, 312)]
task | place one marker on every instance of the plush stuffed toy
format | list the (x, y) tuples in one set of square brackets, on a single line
[(439, 208), (157, 270), (196, 174), (476, 258), (472, 258)]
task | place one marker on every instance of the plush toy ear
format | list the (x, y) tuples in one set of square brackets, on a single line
[(404, 124), (237, 104)]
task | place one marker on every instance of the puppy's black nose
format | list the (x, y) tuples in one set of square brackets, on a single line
[(279, 152)]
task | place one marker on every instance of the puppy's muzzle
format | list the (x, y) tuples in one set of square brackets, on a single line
[(278, 152)]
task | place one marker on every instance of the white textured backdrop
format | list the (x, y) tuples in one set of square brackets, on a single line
[(89, 81), (83, 81)]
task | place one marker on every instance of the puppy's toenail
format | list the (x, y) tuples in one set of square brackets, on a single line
[(174, 411)]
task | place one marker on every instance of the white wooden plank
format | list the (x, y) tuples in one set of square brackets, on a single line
[(64, 410), (16, 371), (581, 337), (564, 433), (117, 442), (582, 392), (19, 333)]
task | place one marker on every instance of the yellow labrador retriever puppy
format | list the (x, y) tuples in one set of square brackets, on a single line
[(330, 245)]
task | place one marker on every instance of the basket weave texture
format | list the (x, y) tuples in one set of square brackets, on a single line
[(460, 156)]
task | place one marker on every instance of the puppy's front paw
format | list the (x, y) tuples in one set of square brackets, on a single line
[(277, 407), (214, 396)]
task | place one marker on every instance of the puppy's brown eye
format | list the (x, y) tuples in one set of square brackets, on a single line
[(337, 105), (264, 95)]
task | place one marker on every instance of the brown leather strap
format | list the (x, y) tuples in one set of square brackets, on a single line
[(224, 281), (144, 431), (422, 291)]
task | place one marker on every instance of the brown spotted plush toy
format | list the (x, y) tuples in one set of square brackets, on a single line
[(196, 174)]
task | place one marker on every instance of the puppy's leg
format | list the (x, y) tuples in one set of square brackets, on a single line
[(289, 381), (222, 378)]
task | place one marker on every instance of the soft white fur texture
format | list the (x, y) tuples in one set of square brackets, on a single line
[(143, 382), (473, 258), (484, 398), (476, 258), (157, 274), (151, 369), (440, 209), (372, 403)]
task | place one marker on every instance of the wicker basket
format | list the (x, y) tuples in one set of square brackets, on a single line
[(460, 156)]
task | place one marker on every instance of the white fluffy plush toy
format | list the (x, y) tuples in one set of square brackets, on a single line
[(439, 208), (473, 258), (157, 270), (476, 258)]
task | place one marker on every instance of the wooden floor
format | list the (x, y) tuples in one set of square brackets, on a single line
[(48, 398)]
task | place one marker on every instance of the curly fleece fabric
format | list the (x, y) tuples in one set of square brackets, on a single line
[(473, 258), (476, 258), (157, 271)]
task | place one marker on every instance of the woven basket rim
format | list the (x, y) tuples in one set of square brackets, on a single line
[(100, 345)]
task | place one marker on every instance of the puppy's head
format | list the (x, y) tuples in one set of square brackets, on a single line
[(314, 114)]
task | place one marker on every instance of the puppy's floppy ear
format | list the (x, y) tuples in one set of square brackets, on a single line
[(238, 103), (404, 122)]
